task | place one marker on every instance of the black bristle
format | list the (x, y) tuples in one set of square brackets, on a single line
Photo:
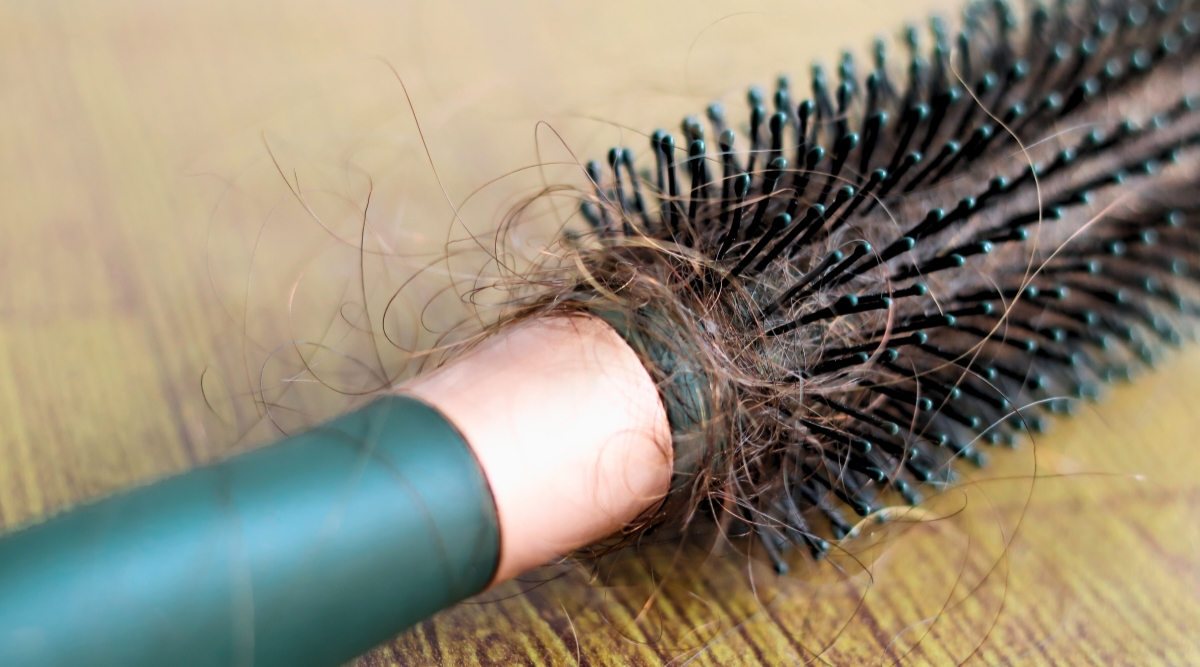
[(660, 174), (776, 126), (802, 177), (804, 112), (860, 248), (943, 102), (741, 186), (913, 116), (729, 170), (950, 150), (783, 100), (639, 202), (757, 113), (699, 184), (615, 159), (781, 222), (873, 126), (847, 72), (811, 221), (874, 180), (771, 179), (595, 175), (716, 116), (842, 121), (982, 93), (908, 162), (916, 69), (841, 152), (804, 281)]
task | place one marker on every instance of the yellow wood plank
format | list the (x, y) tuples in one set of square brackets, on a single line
[(149, 246)]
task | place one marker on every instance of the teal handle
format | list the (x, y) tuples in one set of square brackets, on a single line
[(306, 552)]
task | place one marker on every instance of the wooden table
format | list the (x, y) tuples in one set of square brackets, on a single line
[(183, 189)]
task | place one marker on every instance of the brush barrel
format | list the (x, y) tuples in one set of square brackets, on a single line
[(307, 552)]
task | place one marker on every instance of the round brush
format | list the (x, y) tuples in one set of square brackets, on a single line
[(816, 309)]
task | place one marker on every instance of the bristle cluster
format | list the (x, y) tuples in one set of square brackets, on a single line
[(902, 268)]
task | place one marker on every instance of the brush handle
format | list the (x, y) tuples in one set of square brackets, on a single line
[(307, 552)]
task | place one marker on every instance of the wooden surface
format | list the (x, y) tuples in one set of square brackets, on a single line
[(155, 265)]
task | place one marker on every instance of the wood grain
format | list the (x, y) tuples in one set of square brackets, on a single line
[(155, 263)]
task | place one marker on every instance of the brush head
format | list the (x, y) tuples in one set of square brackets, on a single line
[(869, 285)]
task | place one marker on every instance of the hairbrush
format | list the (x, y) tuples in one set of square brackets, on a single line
[(783, 319)]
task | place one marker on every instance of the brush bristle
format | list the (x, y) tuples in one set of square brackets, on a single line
[(888, 276)]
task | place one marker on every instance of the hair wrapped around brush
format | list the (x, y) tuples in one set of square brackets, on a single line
[(849, 293)]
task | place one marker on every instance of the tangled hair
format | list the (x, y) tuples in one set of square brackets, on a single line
[(878, 281)]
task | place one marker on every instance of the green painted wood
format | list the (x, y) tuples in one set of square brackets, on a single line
[(307, 552), (134, 181)]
